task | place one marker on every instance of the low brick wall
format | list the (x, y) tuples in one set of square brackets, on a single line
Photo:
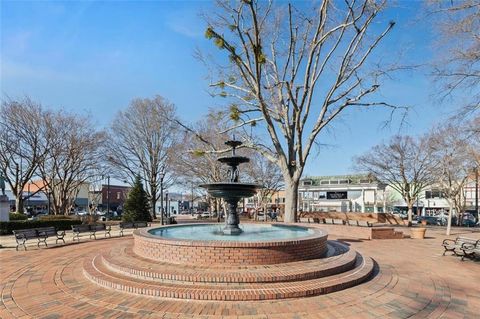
[(356, 232), (224, 253)]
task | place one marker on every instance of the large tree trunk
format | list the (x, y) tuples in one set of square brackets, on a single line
[(19, 204), (449, 219), (410, 212), (291, 200), (153, 200)]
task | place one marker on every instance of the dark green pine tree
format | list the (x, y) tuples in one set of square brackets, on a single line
[(137, 207)]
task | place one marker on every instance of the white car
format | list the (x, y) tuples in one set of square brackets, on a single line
[(205, 215), (81, 213)]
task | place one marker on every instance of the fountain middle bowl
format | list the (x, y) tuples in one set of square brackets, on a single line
[(232, 190)]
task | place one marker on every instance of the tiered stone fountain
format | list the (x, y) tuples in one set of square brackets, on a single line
[(232, 262), (233, 190)]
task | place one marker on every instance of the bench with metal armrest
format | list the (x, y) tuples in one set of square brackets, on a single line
[(41, 234), (455, 245), (470, 250), (134, 225), (91, 229)]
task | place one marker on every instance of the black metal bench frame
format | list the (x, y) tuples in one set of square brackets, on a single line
[(130, 225), (456, 244), (470, 250), (41, 234), (92, 229)]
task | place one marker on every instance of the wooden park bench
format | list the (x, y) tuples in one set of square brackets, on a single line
[(41, 234), (455, 246), (338, 221), (92, 229), (134, 225), (471, 250)]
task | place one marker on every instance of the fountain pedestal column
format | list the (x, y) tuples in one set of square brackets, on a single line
[(232, 220)]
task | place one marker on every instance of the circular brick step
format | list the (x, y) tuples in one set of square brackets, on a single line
[(123, 261), (96, 271)]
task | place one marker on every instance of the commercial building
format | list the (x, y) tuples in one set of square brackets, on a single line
[(343, 193)]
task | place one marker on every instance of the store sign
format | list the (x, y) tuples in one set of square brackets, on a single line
[(336, 195)]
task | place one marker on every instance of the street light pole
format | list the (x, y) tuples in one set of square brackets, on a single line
[(162, 175), (108, 194), (167, 211)]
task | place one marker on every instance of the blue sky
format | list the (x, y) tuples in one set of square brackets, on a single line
[(94, 57)]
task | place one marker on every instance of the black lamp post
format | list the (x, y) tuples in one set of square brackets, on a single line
[(167, 211), (476, 193), (162, 176)]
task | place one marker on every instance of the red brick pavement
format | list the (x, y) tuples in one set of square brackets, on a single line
[(414, 280)]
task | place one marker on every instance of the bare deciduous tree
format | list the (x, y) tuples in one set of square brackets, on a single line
[(404, 164), (73, 158), (452, 148), (292, 71), (457, 67), (23, 144), (141, 139)]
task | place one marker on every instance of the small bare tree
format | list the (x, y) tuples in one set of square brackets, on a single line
[(404, 164), (292, 71), (141, 139), (457, 67), (73, 158), (451, 147), (263, 172), (23, 144)]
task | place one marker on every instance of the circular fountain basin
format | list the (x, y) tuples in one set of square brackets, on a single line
[(203, 244)]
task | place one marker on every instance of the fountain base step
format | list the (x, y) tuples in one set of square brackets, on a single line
[(232, 231), (344, 269)]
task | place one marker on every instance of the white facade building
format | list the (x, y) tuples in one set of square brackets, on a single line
[(344, 193)]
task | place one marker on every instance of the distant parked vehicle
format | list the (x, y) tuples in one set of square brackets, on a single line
[(429, 220), (205, 215)]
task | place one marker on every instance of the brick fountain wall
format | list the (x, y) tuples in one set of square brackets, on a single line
[(224, 253)]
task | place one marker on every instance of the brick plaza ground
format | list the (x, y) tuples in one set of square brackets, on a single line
[(413, 280)]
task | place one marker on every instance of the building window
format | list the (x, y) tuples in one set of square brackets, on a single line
[(325, 182), (344, 181), (307, 183), (334, 182)]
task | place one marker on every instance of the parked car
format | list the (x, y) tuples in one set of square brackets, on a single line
[(205, 215), (429, 220)]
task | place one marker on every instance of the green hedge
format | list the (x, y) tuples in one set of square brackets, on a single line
[(58, 217), (17, 216), (6, 228)]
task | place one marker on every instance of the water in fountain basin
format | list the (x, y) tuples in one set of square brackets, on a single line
[(251, 232)]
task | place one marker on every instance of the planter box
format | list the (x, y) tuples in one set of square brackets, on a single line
[(417, 233)]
